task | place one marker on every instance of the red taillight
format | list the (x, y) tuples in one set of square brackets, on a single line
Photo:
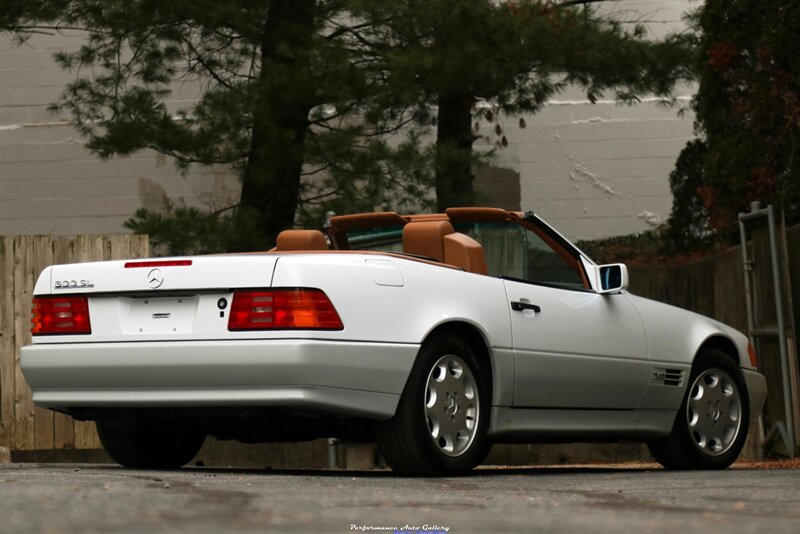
[(158, 263), (752, 353), (283, 309), (60, 315)]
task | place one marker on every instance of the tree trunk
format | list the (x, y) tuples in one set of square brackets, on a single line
[(454, 140), (271, 177)]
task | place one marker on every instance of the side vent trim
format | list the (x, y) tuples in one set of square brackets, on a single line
[(667, 377)]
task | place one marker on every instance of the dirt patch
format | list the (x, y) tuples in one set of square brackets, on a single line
[(791, 463)]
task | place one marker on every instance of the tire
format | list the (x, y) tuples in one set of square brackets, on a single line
[(712, 423), (154, 447), (440, 424)]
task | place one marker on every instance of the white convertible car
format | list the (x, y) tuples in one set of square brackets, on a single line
[(435, 335)]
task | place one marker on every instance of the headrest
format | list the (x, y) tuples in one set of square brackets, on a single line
[(301, 240), (425, 238), (463, 251)]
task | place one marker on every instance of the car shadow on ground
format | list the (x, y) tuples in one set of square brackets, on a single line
[(485, 471), (480, 472)]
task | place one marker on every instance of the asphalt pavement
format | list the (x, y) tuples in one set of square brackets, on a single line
[(59, 498)]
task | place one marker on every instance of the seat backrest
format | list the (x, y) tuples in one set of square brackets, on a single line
[(463, 251), (424, 238), (300, 240)]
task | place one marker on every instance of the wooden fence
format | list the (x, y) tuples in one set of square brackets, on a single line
[(22, 425), (712, 286)]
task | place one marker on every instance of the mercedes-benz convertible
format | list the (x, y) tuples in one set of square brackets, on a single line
[(435, 335)]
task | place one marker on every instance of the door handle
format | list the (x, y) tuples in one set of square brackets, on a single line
[(519, 306)]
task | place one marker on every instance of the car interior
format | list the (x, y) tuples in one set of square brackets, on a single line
[(450, 239)]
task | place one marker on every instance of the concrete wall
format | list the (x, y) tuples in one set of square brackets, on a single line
[(50, 184), (597, 170)]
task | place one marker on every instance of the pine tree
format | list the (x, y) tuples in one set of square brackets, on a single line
[(280, 99)]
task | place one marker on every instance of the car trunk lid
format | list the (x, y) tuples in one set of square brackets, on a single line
[(156, 299)]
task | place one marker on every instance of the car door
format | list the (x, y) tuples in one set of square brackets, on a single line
[(574, 348)]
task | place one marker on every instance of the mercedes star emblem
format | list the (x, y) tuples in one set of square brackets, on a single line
[(155, 278)]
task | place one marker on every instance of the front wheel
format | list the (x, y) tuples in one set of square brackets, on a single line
[(153, 447), (712, 423), (441, 420)]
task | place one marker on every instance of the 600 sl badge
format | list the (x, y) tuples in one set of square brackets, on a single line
[(72, 284)]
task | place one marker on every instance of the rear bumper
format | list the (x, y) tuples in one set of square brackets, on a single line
[(756, 390), (348, 378)]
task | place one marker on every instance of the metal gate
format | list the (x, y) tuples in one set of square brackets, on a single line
[(771, 324)]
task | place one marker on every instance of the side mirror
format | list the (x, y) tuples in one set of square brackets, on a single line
[(612, 278)]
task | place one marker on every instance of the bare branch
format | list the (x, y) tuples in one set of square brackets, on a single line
[(48, 30), (204, 64), (570, 3), (320, 196)]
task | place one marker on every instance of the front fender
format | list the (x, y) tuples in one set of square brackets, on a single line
[(675, 335)]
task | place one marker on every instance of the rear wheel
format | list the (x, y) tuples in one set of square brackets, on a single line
[(440, 423), (153, 447), (712, 423)]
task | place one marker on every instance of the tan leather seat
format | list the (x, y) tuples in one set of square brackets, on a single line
[(424, 238), (463, 251), (300, 240)]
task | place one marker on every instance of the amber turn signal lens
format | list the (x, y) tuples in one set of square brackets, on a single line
[(752, 353)]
